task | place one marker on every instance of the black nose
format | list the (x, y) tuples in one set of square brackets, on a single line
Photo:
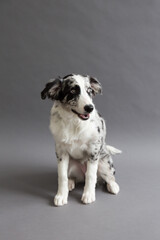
[(88, 108)]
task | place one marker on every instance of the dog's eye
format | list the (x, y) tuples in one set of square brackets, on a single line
[(73, 91), (89, 91)]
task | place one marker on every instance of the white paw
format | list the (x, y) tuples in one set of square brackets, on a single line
[(113, 187), (88, 197), (60, 200), (71, 184)]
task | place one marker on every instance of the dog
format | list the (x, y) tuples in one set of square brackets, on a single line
[(80, 133)]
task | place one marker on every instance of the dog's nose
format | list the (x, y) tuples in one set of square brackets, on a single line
[(88, 108)]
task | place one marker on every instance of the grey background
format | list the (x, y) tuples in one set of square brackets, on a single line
[(117, 41)]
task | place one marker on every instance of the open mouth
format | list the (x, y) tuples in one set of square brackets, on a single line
[(82, 116)]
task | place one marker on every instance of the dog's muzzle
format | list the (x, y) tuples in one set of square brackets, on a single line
[(82, 116)]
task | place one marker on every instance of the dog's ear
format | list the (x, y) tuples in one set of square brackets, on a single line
[(95, 85), (52, 89)]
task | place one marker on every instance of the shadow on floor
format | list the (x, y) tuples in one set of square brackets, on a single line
[(37, 184)]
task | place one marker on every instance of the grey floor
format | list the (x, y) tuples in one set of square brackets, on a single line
[(28, 182)]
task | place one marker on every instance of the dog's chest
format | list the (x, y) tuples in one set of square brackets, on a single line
[(73, 139), (76, 138), (77, 150), (76, 144)]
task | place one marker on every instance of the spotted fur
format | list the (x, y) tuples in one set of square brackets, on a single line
[(81, 147)]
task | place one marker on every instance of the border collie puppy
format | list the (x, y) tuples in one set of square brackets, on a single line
[(79, 132)]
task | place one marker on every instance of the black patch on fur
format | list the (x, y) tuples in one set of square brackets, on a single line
[(102, 124), (66, 92), (98, 128), (114, 172), (55, 85), (69, 75), (110, 165), (75, 95), (93, 157), (58, 158), (93, 80), (95, 85)]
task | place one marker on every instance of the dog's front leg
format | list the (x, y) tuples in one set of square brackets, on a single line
[(90, 182), (61, 197)]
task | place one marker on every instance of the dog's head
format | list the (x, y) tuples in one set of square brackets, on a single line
[(75, 92)]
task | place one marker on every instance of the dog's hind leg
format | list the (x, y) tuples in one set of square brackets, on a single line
[(113, 187), (71, 184), (106, 171)]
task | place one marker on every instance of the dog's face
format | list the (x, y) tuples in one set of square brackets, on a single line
[(75, 92)]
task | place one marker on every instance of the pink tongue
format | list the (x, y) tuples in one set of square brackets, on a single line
[(84, 116)]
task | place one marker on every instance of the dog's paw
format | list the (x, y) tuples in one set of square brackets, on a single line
[(71, 184), (60, 200), (113, 187), (88, 197)]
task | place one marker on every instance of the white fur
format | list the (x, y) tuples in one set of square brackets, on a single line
[(113, 150), (62, 194), (90, 183), (75, 141)]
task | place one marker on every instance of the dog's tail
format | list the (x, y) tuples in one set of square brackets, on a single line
[(113, 150)]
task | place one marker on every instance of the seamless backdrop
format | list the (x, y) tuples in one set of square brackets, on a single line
[(117, 41)]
